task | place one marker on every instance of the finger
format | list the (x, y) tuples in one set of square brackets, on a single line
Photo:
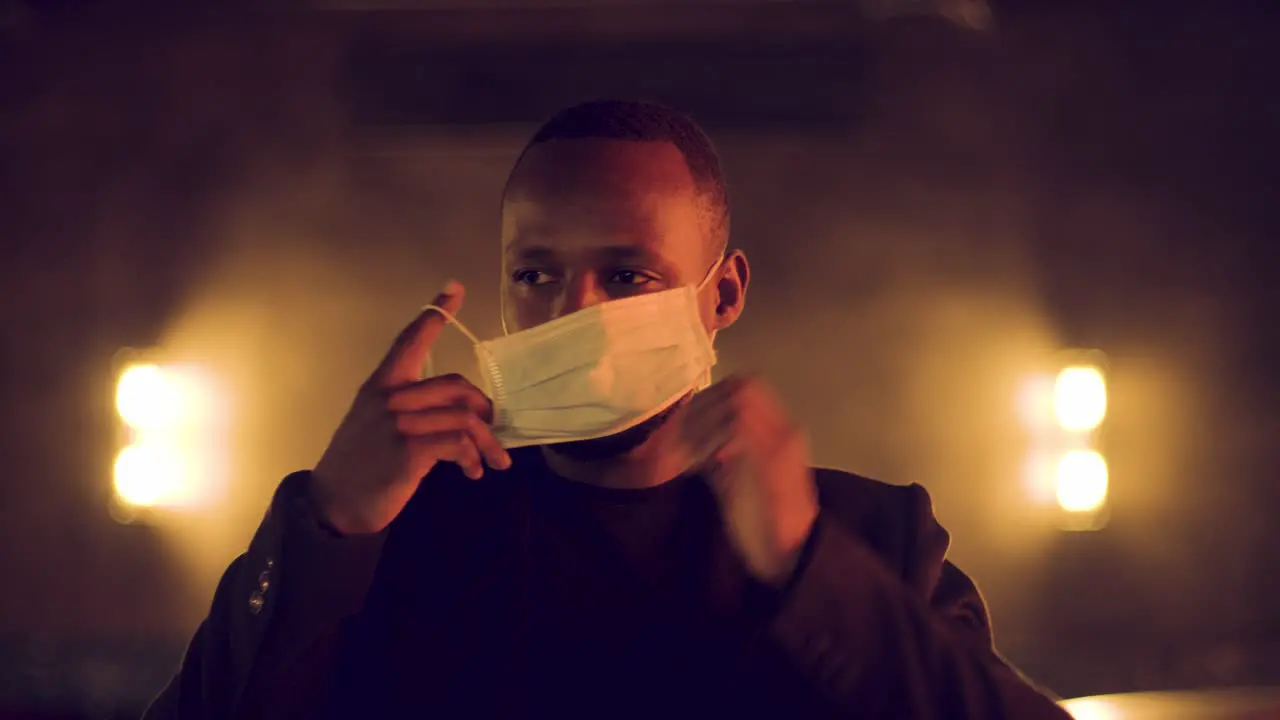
[(704, 404), (720, 471), (446, 420), (404, 362), (697, 439), (456, 447), (435, 421), (490, 448), (743, 418), (705, 432), (713, 457), (468, 458), (754, 405), (764, 407), (715, 409), (719, 391), (441, 391)]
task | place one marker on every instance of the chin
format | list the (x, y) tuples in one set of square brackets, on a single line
[(613, 446)]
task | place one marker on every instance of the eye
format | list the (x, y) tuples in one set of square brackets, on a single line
[(631, 277), (531, 277)]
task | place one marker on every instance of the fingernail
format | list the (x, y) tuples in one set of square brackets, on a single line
[(506, 462), (451, 287)]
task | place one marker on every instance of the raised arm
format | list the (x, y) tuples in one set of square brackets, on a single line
[(268, 644)]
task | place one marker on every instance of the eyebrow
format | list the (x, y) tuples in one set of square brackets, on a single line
[(534, 254), (619, 254)]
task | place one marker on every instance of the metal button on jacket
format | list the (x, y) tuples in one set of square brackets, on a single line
[(258, 598)]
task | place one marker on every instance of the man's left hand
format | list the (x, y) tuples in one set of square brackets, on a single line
[(758, 463)]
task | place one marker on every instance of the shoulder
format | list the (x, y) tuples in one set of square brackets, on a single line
[(872, 505), (895, 521), (847, 493)]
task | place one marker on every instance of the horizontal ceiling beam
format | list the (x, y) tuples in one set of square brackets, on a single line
[(776, 21), (728, 85)]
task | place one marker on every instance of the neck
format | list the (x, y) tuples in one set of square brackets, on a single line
[(649, 464)]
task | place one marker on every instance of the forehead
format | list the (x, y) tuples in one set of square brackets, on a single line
[(574, 196)]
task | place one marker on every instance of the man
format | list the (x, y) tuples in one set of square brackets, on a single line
[(639, 544)]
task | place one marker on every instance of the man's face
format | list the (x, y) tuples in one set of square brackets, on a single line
[(588, 221)]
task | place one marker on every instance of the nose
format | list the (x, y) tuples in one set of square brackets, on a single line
[(582, 291)]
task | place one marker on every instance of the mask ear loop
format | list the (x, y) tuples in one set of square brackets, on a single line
[(706, 279), (428, 365), (502, 298), (705, 381)]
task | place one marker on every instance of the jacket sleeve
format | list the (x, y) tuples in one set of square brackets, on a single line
[(274, 617), (917, 643)]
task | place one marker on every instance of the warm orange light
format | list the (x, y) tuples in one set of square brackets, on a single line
[(1082, 479), (1092, 708), (147, 396), (175, 421), (1080, 398), (149, 474)]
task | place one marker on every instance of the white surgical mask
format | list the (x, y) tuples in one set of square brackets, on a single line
[(598, 371)]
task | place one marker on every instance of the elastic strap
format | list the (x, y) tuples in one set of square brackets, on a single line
[(454, 321)]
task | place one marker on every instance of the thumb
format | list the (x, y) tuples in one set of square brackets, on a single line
[(403, 363)]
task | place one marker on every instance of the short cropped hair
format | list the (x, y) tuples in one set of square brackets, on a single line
[(649, 122)]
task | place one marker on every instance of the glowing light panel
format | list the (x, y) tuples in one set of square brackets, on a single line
[(1080, 398), (147, 396), (174, 455), (151, 474), (1082, 479)]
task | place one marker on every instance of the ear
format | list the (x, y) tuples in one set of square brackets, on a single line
[(731, 288)]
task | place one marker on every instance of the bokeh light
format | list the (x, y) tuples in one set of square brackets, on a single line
[(149, 474), (1080, 398), (174, 420), (1092, 708), (148, 397), (1082, 479)]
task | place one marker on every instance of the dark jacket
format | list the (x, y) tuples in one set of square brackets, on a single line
[(876, 621)]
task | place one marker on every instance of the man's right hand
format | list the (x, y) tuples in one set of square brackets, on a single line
[(399, 427)]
